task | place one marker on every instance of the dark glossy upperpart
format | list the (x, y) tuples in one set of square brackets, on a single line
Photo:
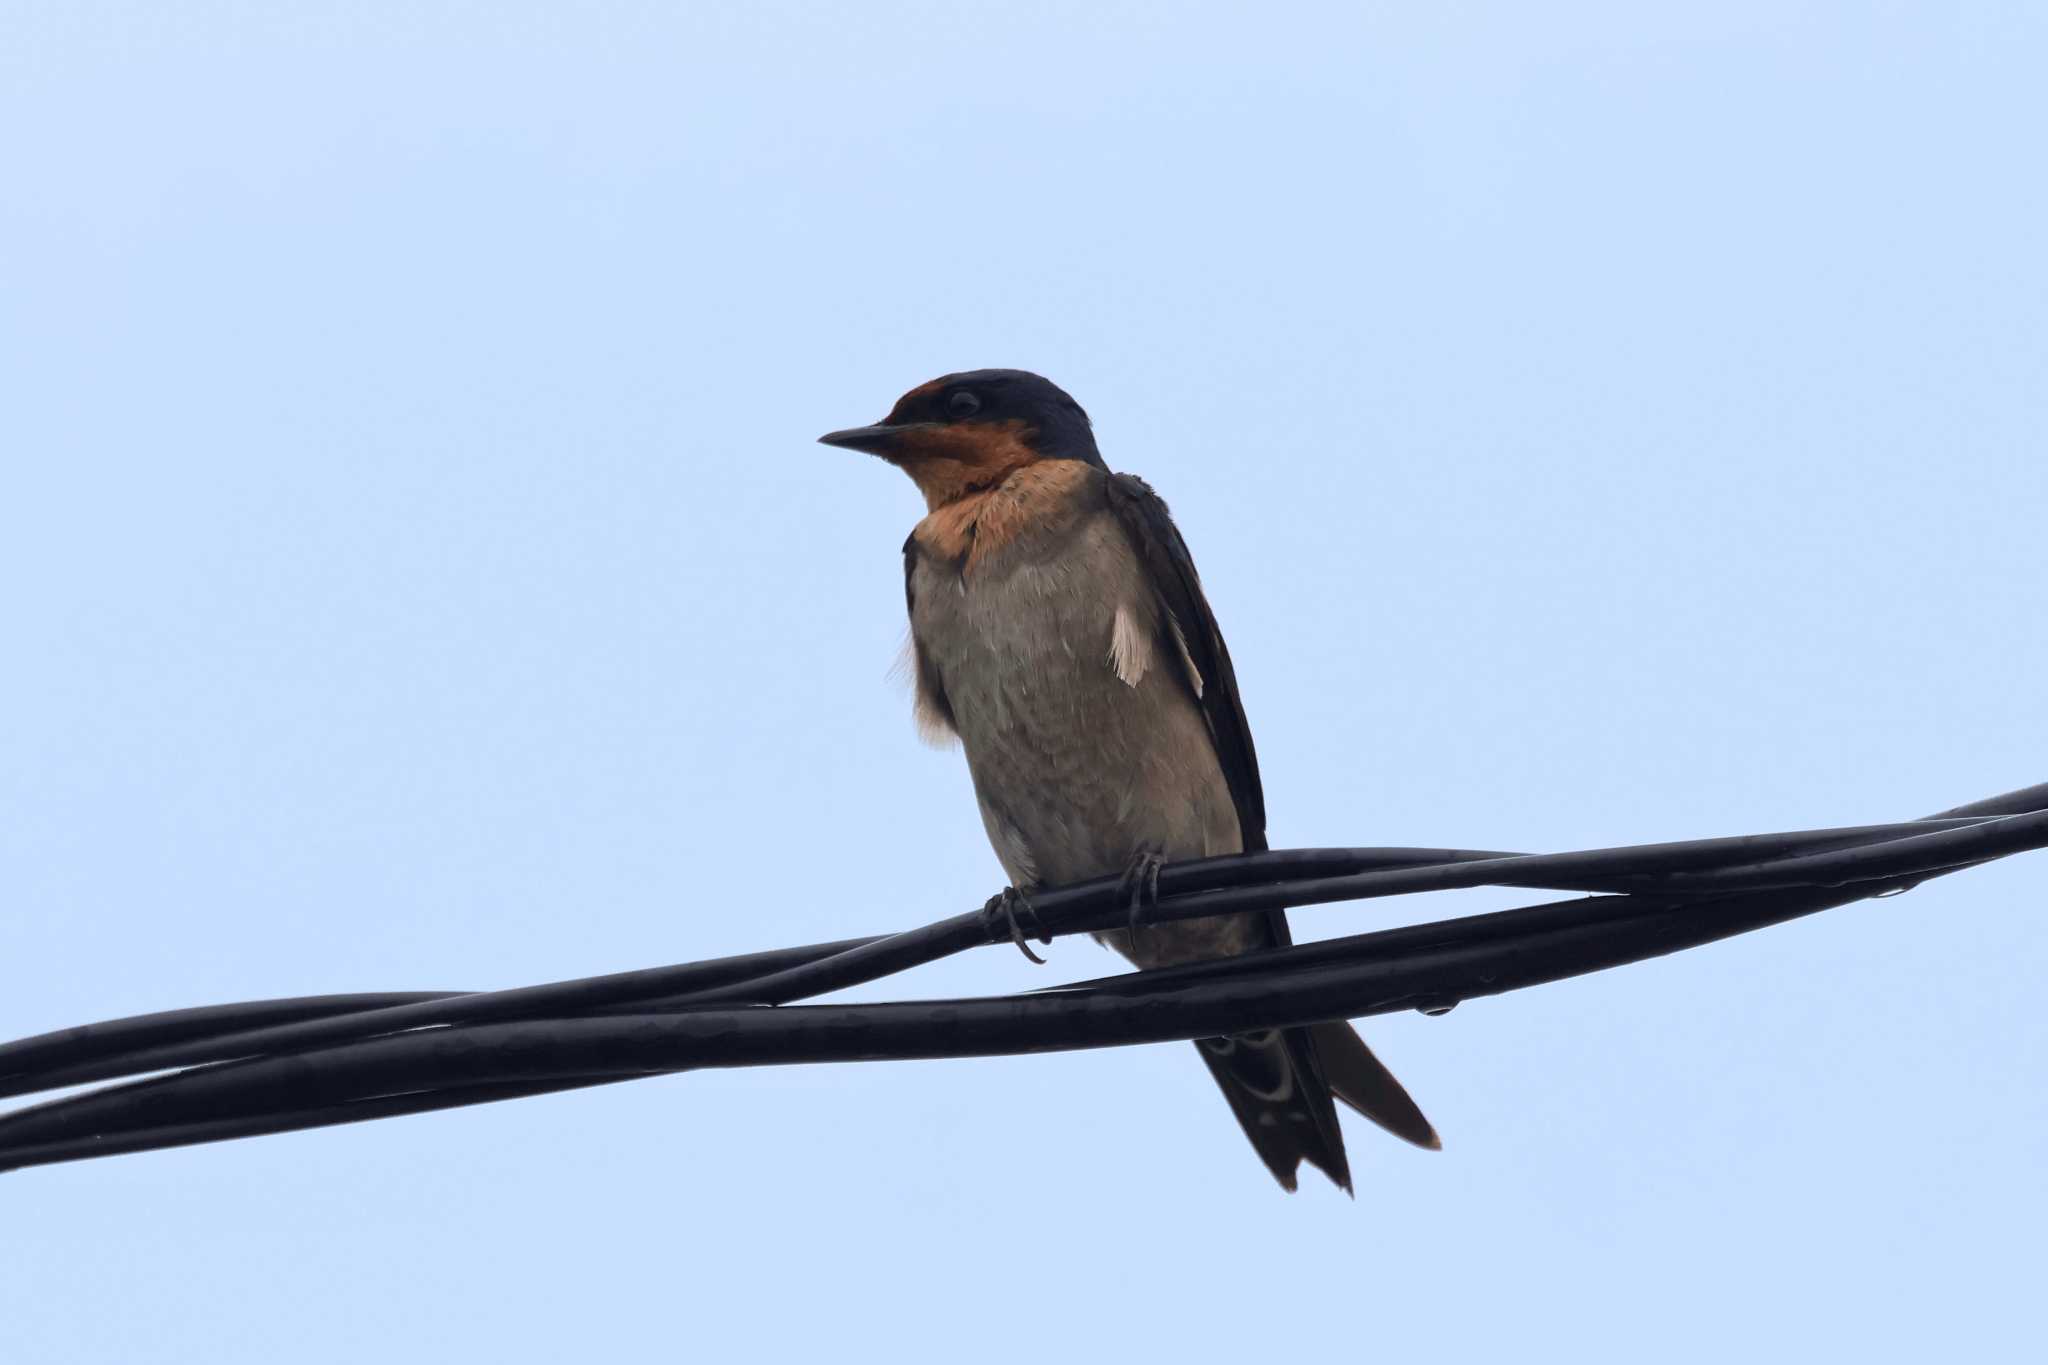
[(1046, 417)]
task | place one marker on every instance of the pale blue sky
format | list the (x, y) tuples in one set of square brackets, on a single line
[(416, 571)]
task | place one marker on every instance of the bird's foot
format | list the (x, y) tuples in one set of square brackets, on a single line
[(1139, 886), (1004, 915)]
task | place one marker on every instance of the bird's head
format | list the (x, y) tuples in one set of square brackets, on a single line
[(967, 432)]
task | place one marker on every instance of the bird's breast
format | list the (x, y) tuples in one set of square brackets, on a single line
[(1067, 689)]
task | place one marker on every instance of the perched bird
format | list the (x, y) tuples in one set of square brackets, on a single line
[(1057, 627)]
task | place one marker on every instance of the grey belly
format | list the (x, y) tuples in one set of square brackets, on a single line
[(1076, 769)]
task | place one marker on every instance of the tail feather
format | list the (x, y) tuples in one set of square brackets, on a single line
[(1362, 1081), (1275, 1087), (1280, 1082)]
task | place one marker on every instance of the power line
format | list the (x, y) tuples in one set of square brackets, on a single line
[(283, 1065)]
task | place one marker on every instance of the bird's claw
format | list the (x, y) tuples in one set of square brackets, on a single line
[(1139, 885), (1002, 916)]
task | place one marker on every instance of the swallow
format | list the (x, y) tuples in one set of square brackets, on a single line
[(1059, 632)]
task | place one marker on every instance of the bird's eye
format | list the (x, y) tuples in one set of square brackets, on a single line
[(963, 403)]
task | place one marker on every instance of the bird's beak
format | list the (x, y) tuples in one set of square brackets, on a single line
[(884, 439)]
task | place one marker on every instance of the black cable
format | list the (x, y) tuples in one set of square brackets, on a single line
[(479, 1048), (1334, 979), (1213, 886)]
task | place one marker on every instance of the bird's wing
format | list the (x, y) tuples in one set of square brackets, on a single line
[(932, 711), (1251, 1069), (1204, 660)]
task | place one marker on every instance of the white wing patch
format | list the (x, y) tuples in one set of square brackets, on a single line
[(1130, 650), (1194, 674), (924, 713), (932, 726)]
